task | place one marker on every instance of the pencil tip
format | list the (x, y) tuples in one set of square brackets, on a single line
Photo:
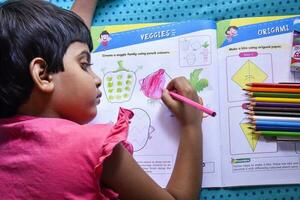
[(244, 105)]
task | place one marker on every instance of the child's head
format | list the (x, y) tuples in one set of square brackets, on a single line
[(41, 47), (104, 34), (231, 30)]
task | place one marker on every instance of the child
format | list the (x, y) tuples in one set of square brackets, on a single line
[(104, 38), (47, 94), (231, 32)]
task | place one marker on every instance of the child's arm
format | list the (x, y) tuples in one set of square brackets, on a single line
[(85, 9), (123, 174)]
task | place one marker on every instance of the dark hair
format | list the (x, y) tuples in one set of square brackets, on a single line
[(30, 29), (104, 33), (230, 27)]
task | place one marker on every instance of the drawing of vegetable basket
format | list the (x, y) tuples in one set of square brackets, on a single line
[(119, 84)]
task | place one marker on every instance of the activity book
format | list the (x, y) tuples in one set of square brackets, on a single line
[(218, 58)]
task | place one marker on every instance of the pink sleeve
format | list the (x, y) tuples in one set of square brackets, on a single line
[(118, 134)]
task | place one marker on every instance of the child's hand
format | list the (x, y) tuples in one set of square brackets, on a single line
[(186, 114)]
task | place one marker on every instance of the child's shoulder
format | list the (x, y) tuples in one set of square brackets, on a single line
[(67, 130), (46, 128)]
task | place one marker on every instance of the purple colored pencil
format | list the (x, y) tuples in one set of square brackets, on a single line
[(267, 104)]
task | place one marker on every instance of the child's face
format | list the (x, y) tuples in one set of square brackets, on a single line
[(76, 92), (232, 32), (104, 37)]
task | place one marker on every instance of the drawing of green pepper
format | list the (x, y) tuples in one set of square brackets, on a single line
[(119, 84)]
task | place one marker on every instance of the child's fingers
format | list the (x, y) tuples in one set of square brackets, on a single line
[(176, 84), (168, 100), (180, 85), (200, 100)]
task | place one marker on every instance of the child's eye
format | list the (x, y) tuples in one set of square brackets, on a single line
[(85, 66)]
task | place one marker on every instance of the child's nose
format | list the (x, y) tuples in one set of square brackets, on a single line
[(97, 81)]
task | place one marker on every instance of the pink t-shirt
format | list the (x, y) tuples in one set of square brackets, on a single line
[(50, 158)]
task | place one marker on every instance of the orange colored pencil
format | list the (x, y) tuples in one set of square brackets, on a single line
[(270, 89)]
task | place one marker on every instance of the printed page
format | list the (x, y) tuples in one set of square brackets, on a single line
[(135, 62), (254, 50)]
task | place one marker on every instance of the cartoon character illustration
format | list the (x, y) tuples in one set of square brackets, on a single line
[(231, 32), (104, 38)]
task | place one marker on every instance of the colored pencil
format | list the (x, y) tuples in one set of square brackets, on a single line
[(270, 99), (275, 128), (274, 104), (274, 109), (278, 133), (192, 103), (276, 123), (289, 83), (255, 108), (265, 89), (273, 94), (268, 118), (270, 113), (276, 85), (292, 139)]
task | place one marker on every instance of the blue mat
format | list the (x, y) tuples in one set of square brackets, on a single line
[(142, 11)]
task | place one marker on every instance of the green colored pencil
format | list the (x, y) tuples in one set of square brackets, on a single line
[(273, 94), (278, 133)]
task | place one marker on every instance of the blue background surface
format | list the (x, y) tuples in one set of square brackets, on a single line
[(145, 11)]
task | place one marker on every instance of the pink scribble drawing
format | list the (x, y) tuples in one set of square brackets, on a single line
[(152, 85)]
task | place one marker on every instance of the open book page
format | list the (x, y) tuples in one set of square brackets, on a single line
[(135, 62), (254, 50)]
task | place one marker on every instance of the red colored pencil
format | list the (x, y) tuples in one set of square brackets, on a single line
[(272, 89), (274, 85)]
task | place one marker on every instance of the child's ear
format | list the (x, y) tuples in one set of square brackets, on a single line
[(42, 79)]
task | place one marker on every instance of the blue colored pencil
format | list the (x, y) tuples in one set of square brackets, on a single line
[(275, 128), (276, 123)]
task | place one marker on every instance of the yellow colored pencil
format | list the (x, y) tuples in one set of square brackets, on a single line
[(270, 99)]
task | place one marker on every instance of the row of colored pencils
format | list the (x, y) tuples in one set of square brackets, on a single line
[(274, 109)]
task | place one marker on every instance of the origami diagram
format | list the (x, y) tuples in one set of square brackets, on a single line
[(249, 72), (251, 138)]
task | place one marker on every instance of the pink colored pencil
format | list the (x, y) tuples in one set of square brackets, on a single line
[(193, 103)]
